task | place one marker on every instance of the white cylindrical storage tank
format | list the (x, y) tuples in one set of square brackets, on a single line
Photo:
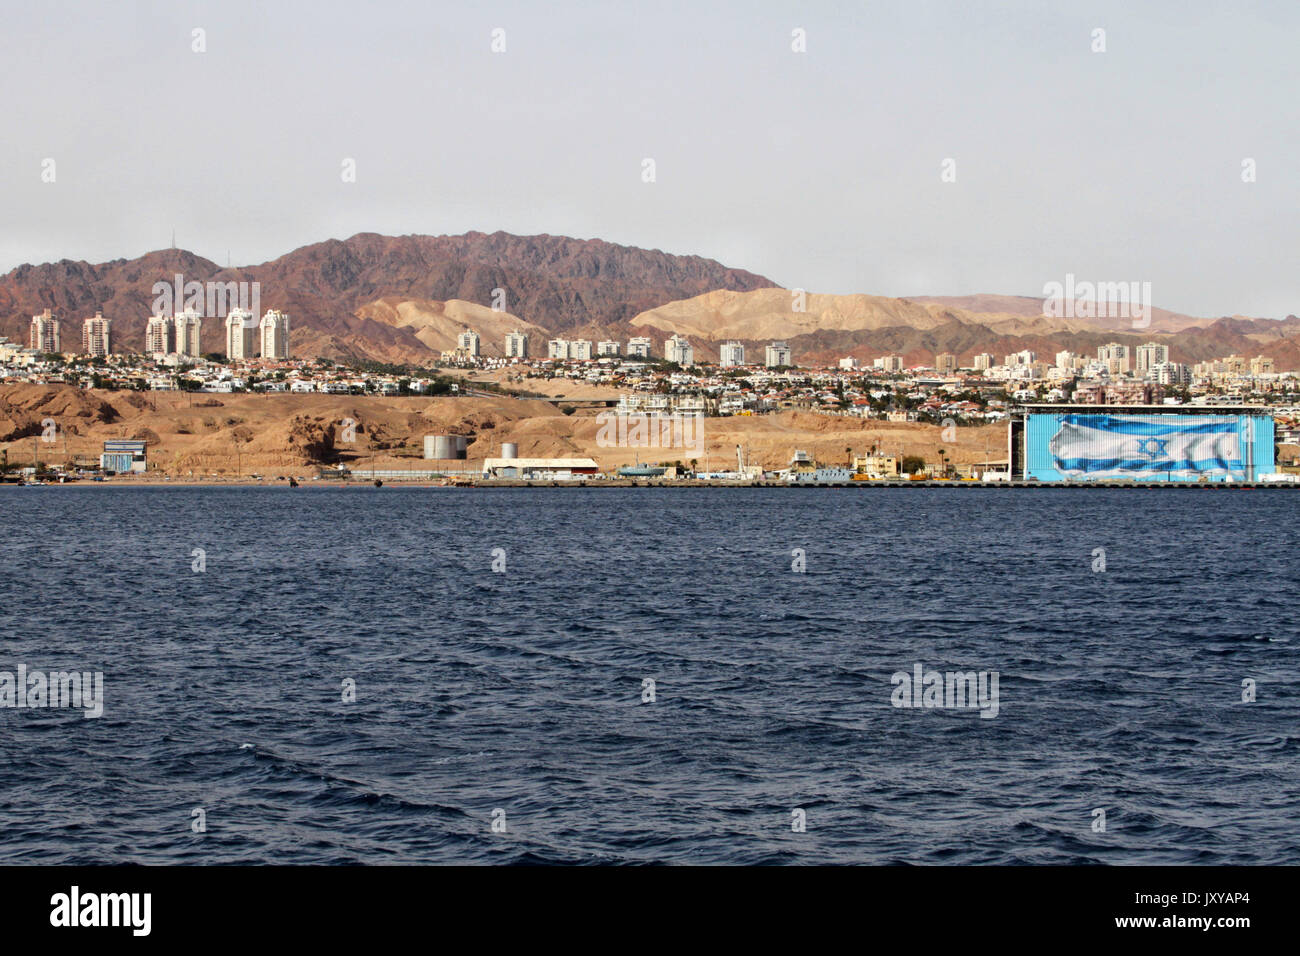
[(429, 449), (443, 447), (460, 445), (509, 450)]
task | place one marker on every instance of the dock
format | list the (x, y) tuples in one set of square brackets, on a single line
[(887, 483)]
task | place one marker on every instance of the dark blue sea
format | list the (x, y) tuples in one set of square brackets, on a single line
[(515, 696)]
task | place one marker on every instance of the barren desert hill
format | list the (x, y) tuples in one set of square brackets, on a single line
[(202, 436), (863, 326), (776, 314), (553, 282), (403, 299), (1029, 307), (437, 324)]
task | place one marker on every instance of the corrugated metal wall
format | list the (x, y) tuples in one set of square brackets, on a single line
[(1111, 445)]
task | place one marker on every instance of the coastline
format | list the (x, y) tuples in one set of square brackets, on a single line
[(467, 483)]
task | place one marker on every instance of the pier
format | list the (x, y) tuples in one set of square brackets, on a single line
[(888, 483)]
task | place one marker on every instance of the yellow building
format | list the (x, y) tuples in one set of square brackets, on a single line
[(869, 466)]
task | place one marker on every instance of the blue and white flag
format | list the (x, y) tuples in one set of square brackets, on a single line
[(1151, 446)]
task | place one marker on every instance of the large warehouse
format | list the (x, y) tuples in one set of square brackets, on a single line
[(1083, 443)]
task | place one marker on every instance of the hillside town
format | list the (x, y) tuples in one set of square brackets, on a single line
[(257, 358)]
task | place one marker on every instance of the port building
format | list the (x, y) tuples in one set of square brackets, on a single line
[(1085, 443), (559, 468), (123, 455)]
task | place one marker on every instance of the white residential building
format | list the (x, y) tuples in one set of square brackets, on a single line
[(777, 355), (516, 345), (557, 349), (241, 334), (1020, 358), (159, 335), (580, 349), (608, 347), (95, 336), (188, 326), (45, 332), (275, 334), (679, 350), (639, 347), (731, 354), (468, 344), (1115, 357), (1150, 355), (1171, 373)]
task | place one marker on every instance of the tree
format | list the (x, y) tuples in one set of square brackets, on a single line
[(912, 464)]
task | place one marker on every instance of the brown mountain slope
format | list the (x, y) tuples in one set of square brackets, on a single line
[(1162, 320), (550, 281), (403, 299), (865, 327)]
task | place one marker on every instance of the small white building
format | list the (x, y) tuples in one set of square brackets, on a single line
[(556, 468)]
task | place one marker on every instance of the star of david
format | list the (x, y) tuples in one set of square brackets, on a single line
[(1152, 447)]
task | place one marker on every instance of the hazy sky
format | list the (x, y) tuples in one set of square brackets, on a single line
[(820, 169)]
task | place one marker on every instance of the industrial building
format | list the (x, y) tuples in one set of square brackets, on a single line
[(446, 447), (123, 455), (557, 468), (1141, 443)]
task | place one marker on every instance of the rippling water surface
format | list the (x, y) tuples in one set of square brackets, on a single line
[(522, 691)]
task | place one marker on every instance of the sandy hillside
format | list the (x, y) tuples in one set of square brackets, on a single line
[(560, 387), (437, 324), (769, 314), (202, 435)]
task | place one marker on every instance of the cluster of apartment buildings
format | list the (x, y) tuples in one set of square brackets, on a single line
[(178, 335), (1149, 363), (46, 334), (677, 349), (888, 364)]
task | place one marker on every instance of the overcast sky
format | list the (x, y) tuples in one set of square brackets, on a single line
[(821, 169)]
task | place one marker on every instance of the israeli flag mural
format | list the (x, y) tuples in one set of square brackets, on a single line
[(1151, 447)]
